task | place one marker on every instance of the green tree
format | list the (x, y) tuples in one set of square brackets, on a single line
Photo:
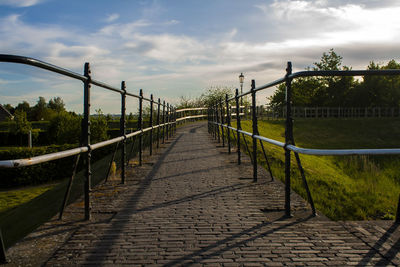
[(57, 104), (65, 128), (41, 111), (98, 127), (185, 102), (21, 125), (9, 107), (382, 90), (24, 106), (318, 91)]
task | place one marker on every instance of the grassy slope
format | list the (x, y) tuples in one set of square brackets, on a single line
[(347, 187), (13, 198)]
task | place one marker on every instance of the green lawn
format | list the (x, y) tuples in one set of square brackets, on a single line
[(13, 198), (345, 187)]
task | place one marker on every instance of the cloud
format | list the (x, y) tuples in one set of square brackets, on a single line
[(112, 17), (168, 48), (20, 3), (125, 30), (172, 22), (152, 55)]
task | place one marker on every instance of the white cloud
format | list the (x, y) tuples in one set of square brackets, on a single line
[(20, 3), (169, 48), (126, 30), (170, 64), (112, 17)]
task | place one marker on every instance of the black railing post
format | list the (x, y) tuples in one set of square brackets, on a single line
[(238, 127), (222, 122), (214, 123), (218, 121), (163, 121), (171, 120), (151, 124), (86, 139), (167, 117), (158, 122), (3, 258), (140, 125), (228, 121), (69, 187), (208, 120), (123, 131), (398, 212), (255, 128), (175, 117), (288, 136)]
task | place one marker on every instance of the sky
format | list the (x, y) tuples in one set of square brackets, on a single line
[(175, 48)]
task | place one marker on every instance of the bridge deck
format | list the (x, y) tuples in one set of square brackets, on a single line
[(192, 204)]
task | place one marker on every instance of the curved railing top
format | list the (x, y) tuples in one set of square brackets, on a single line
[(47, 66), (314, 73)]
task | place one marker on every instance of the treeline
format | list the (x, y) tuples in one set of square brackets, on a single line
[(64, 127), (370, 91), (41, 111)]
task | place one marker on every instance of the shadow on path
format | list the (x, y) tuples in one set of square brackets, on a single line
[(389, 255), (117, 228), (200, 255)]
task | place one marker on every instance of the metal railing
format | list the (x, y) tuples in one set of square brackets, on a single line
[(221, 110), (164, 125)]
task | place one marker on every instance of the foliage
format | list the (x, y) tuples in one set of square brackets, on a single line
[(57, 104), (65, 128), (215, 94), (345, 187), (98, 127), (185, 102), (371, 91), (21, 124), (42, 111), (36, 174)]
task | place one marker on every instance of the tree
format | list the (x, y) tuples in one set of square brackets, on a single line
[(98, 127), (185, 102), (41, 111), (21, 125), (24, 106), (57, 104), (9, 107), (318, 91), (382, 90), (65, 128)]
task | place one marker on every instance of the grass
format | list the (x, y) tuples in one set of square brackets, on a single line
[(343, 187), (13, 198)]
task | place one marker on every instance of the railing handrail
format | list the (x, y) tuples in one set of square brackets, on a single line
[(17, 163), (190, 109), (53, 68), (311, 73), (216, 124), (319, 152)]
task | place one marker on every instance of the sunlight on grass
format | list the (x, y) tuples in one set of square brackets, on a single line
[(345, 187), (16, 197)]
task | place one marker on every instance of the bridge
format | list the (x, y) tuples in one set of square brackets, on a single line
[(189, 202)]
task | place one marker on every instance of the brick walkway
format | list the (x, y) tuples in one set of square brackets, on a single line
[(192, 204)]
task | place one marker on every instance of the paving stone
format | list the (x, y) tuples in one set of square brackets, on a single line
[(191, 204)]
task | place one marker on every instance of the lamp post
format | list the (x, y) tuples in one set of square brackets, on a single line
[(241, 79)]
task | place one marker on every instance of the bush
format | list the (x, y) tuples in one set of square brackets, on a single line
[(45, 172), (64, 128), (36, 174)]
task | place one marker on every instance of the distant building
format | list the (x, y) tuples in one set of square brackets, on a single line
[(5, 114)]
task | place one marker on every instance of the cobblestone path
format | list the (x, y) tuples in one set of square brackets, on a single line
[(195, 206)]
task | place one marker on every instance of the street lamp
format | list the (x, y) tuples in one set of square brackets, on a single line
[(241, 79)]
